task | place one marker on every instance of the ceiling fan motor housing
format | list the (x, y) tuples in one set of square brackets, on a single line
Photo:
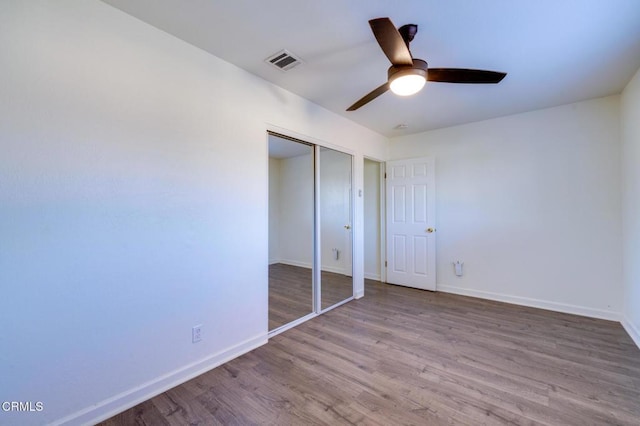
[(408, 32), (419, 67)]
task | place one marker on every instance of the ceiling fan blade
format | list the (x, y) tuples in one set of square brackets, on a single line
[(463, 75), (391, 41), (369, 97)]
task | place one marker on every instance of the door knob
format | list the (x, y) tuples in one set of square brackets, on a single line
[(347, 227), (431, 230)]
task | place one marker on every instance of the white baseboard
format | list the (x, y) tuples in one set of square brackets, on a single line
[(359, 294), (295, 263), (125, 400), (310, 266), (375, 277), (632, 330), (534, 303), (334, 270)]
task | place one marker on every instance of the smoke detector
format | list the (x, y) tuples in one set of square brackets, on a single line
[(283, 60)]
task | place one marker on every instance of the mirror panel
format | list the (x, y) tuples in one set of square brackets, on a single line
[(291, 230), (336, 281)]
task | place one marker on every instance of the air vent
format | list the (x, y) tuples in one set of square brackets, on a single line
[(283, 60)]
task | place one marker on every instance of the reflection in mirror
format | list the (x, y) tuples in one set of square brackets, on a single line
[(291, 213), (336, 281)]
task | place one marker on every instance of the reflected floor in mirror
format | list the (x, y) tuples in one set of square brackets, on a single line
[(335, 288), (291, 293)]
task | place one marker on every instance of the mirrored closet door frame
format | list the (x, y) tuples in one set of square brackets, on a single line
[(317, 243)]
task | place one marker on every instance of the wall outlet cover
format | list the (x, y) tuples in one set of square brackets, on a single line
[(196, 333)]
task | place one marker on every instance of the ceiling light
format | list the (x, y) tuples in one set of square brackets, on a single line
[(407, 81)]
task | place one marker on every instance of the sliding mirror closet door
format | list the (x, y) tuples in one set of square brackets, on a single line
[(291, 230), (336, 281)]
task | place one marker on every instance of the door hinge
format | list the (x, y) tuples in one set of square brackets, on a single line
[(385, 263), (385, 175)]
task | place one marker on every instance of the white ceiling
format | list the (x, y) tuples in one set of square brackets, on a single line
[(554, 51), (282, 148)]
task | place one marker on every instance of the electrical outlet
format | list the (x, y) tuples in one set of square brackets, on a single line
[(196, 333)]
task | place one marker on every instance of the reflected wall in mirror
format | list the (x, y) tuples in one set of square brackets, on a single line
[(291, 230), (336, 280)]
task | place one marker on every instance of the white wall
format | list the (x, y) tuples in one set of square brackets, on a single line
[(335, 194), (630, 101), (372, 263), (295, 188), (274, 210), (531, 203), (133, 205), (296, 210)]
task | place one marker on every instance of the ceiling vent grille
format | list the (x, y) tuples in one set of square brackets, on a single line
[(283, 60)]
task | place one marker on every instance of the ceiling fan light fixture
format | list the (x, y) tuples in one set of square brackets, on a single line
[(408, 81), (407, 75)]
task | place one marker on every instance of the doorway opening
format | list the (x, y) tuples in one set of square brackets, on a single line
[(374, 214)]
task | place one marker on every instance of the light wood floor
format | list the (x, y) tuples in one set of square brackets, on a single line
[(404, 356), (291, 292)]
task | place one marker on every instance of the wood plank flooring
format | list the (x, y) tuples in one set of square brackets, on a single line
[(403, 356), (335, 288), (291, 292)]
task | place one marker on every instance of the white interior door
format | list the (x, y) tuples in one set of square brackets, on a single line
[(411, 238)]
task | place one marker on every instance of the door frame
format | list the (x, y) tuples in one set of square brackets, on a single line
[(383, 222), (382, 231)]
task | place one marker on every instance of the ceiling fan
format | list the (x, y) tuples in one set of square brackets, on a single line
[(407, 75)]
